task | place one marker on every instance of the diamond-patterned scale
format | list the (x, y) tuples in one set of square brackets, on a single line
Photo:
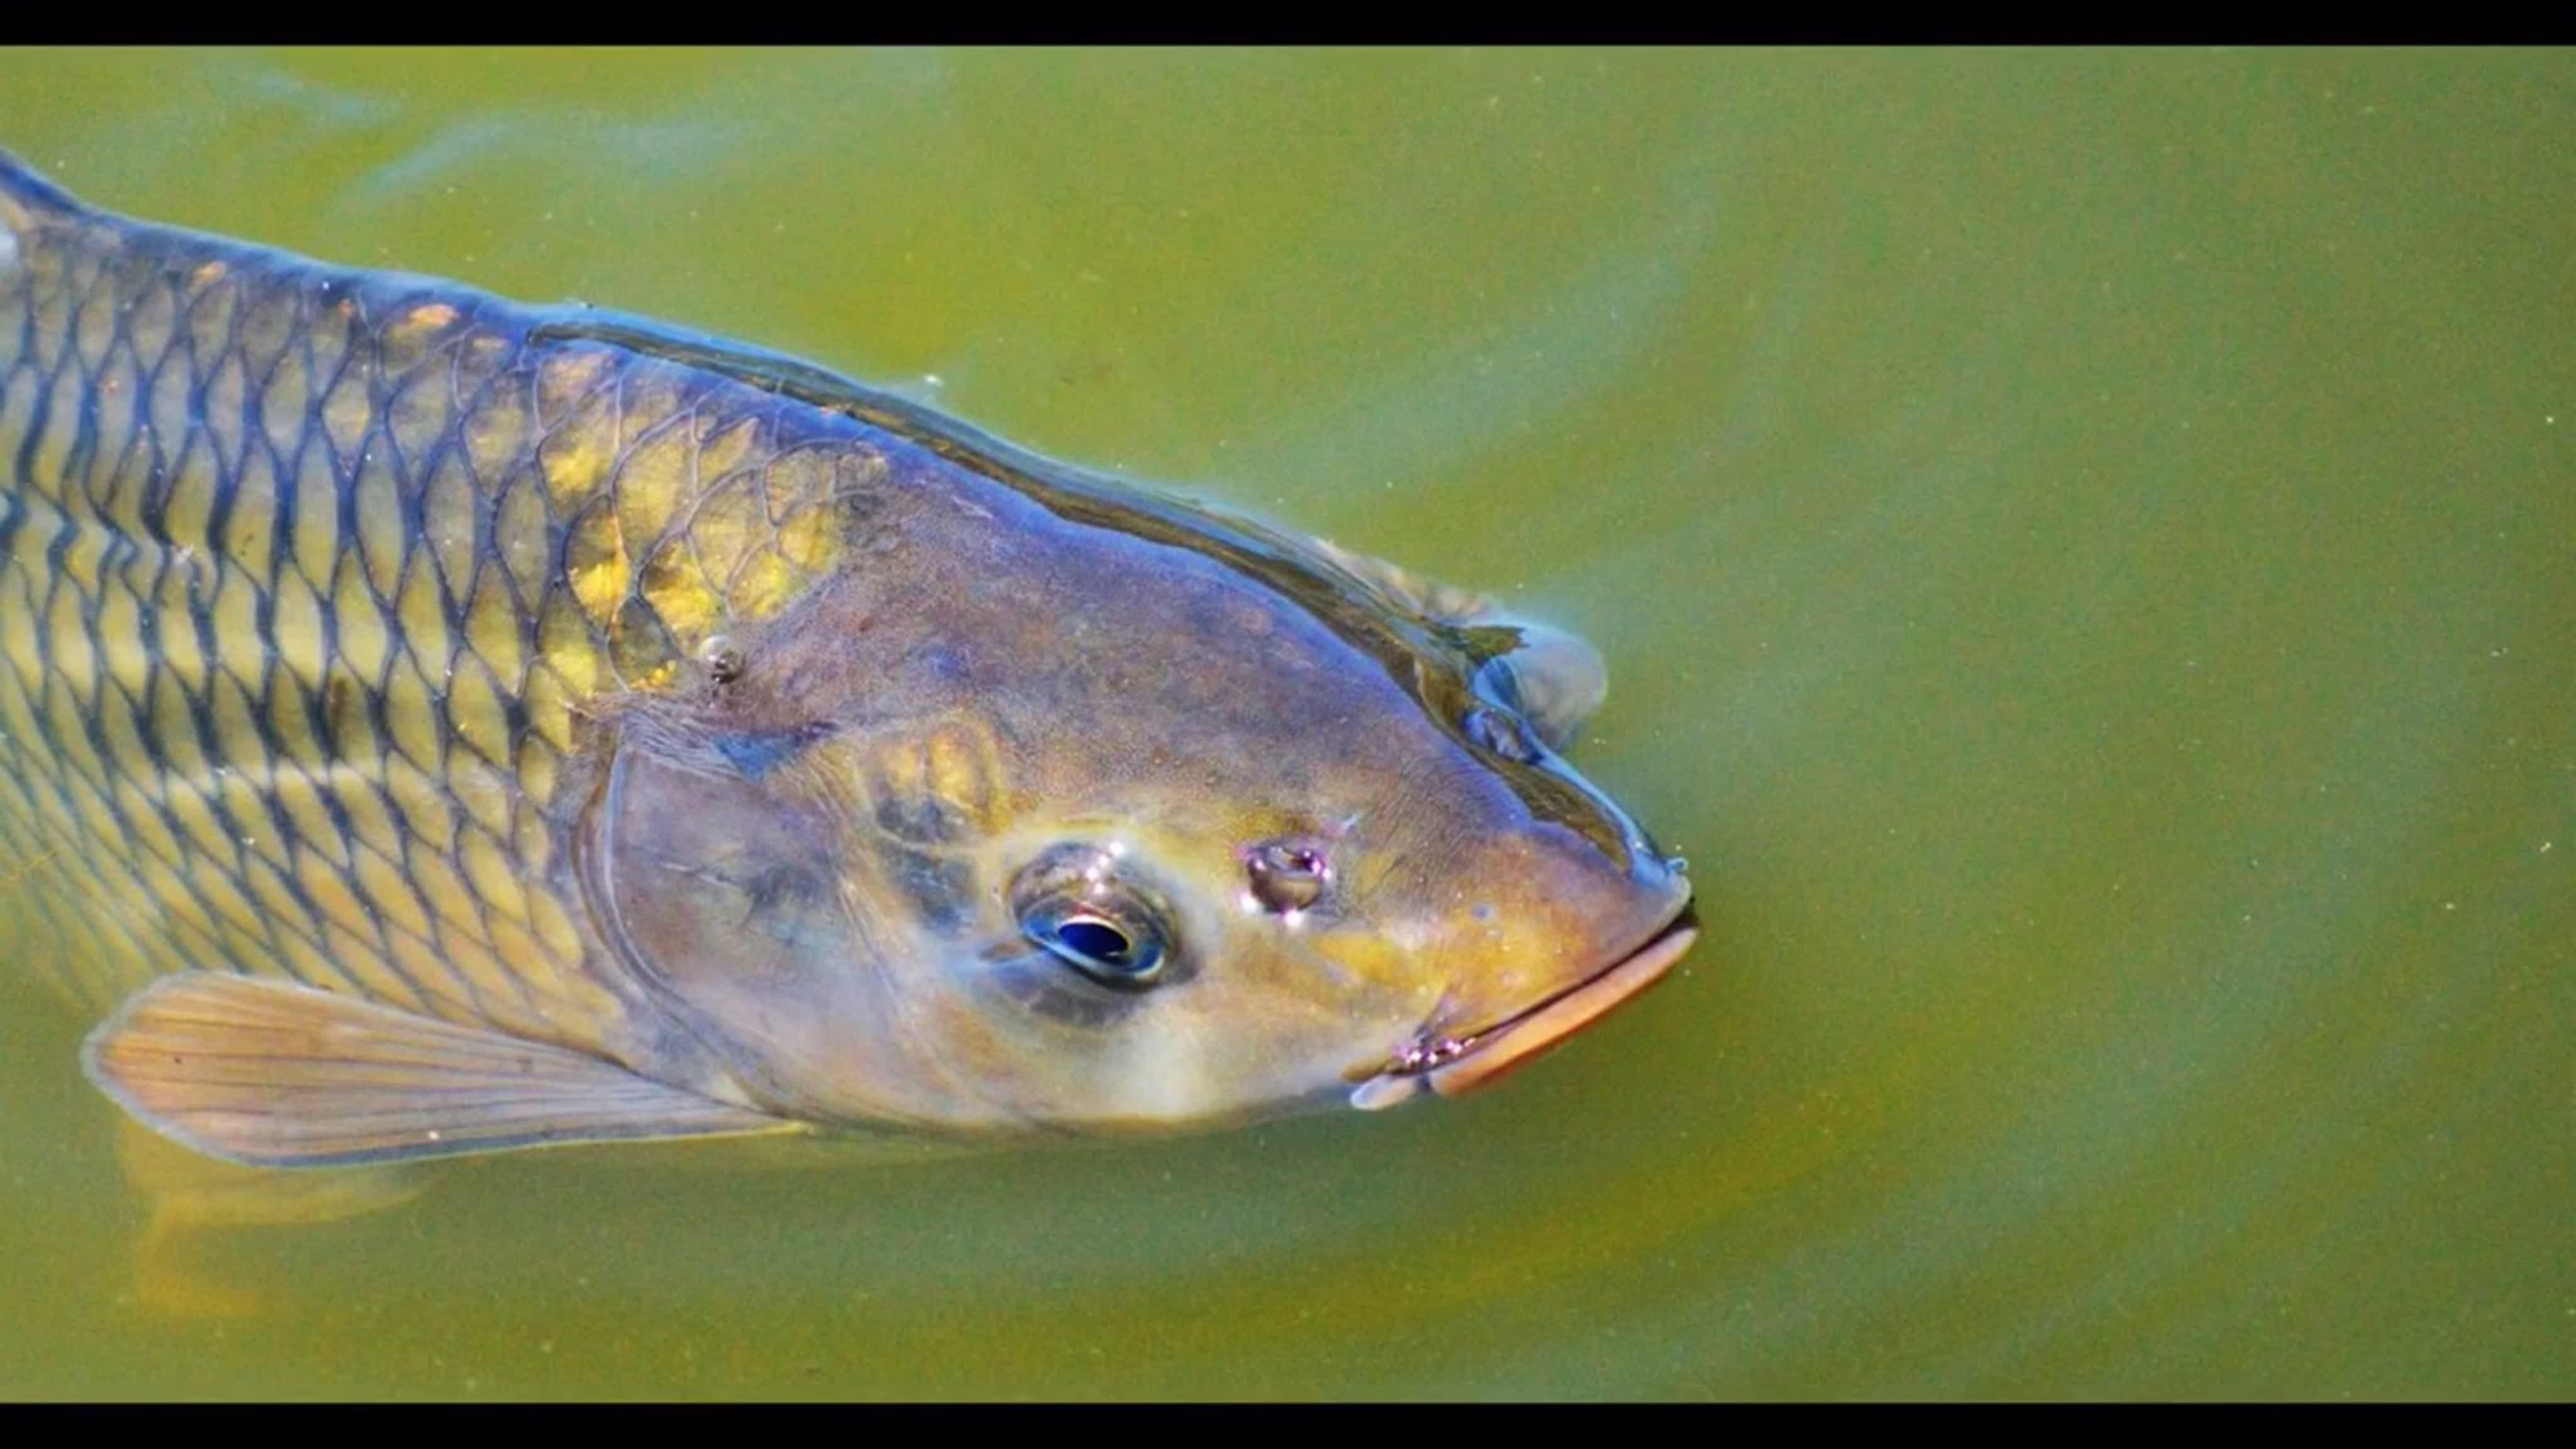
[(306, 579)]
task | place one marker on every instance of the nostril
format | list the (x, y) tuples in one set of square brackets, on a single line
[(1286, 875)]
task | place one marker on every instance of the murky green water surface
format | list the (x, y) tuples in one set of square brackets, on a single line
[(2086, 547)]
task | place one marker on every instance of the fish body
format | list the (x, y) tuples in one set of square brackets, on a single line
[(431, 724)]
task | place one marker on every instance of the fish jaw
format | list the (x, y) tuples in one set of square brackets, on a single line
[(1456, 1066)]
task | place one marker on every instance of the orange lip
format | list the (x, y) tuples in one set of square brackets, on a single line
[(1493, 1053)]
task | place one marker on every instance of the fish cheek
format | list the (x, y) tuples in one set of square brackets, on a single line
[(935, 793), (721, 891)]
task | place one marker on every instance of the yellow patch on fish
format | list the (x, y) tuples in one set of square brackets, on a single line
[(679, 592), (405, 336), (493, 630), (357, 686), (576, 462), (596, 565), (549, 707)]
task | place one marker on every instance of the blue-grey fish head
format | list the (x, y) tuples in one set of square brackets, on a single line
[(1054, 820)]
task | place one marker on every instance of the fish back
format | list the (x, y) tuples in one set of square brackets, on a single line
[(309, 581)]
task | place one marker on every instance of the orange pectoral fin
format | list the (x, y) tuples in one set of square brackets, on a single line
[(278, 1075)]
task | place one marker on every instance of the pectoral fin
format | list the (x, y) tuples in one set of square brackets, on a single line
[(279, 1075)]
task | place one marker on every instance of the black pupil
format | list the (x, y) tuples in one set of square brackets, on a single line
[(1095, 940)]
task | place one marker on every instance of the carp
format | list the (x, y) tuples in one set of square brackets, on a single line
[(433, 725)]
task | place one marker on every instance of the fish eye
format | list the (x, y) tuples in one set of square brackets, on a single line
[(1073, 905), (1127, 954), (1286, 875), (1498, 731)]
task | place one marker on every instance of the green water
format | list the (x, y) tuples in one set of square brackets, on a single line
[(2086, 547)]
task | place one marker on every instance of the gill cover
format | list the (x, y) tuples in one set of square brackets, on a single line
[(718, 874)]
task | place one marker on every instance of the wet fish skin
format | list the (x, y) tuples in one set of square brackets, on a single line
[(323, 566), (641, 699)]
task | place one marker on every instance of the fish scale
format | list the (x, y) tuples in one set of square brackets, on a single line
[(546, 726), (326, 565)]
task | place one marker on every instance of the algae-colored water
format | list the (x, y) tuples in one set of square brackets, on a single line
[(2086, 548)]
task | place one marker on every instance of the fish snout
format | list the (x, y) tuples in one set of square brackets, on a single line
[(1529, 975)]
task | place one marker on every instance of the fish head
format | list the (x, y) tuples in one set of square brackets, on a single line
[(1072, 828)]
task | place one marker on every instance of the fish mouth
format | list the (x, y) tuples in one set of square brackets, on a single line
[(1454, 1066)]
